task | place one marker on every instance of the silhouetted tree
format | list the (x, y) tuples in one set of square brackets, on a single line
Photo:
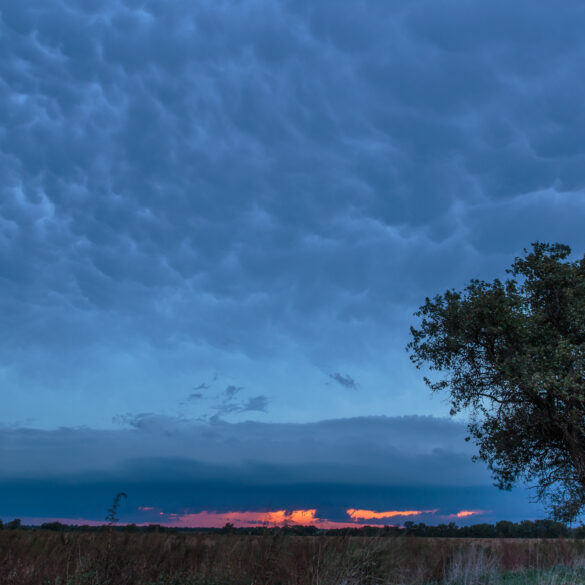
[(228, 528), (512, 354), (112, 516), (13, 524)]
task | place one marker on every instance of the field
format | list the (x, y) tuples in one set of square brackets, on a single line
[(40, 557)]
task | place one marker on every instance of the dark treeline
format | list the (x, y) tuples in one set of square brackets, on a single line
[(502, 529)]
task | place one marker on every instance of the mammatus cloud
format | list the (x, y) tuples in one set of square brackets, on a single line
[(265, 188)]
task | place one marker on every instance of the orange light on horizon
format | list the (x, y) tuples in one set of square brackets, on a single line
[(303, 517), (249, 519), (465, 513), (372, 515)]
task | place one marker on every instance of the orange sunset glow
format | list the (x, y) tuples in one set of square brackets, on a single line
[(372, 515), (271, 518), (300, 517), (465, 513), (248, 519)]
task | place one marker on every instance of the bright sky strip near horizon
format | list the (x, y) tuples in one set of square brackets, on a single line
[(221, 212)]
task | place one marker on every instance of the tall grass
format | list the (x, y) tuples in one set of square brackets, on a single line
[(119, 558)]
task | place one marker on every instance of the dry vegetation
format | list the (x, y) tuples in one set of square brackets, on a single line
[(118, 558)]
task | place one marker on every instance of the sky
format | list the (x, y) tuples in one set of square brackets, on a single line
[(217, 219)]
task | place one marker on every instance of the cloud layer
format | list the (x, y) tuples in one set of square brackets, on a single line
[(373, 450), (181, 471)]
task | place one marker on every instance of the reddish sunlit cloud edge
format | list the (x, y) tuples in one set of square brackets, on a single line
[(251, 519)]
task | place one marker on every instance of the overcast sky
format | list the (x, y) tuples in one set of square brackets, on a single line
[(216, 212)]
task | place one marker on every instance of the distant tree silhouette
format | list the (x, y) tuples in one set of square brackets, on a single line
[(112, 517)]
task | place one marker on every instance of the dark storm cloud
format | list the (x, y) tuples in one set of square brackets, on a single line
[(344, 380), (231, 167), (91, 498), (371, 450), (373, 463)]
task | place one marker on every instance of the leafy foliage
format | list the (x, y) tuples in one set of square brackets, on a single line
[(512, 354)]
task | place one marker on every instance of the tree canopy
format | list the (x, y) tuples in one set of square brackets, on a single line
[(512, 354)]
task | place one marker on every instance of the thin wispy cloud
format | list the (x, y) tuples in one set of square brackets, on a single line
[(256, 403), (344, 380), (253, 404), (202, 386), (231, 391)]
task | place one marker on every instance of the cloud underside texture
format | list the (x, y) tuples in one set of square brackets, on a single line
[(375, 463), (250, 176)]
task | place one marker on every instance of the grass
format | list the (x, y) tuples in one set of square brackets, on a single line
[(554, 576), (118, 558)]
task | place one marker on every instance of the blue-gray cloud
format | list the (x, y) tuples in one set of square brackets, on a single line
[(256, 403), (376, 462), (229, 405), (371, 449), (344, 380), (231, 391), (269, 181)]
